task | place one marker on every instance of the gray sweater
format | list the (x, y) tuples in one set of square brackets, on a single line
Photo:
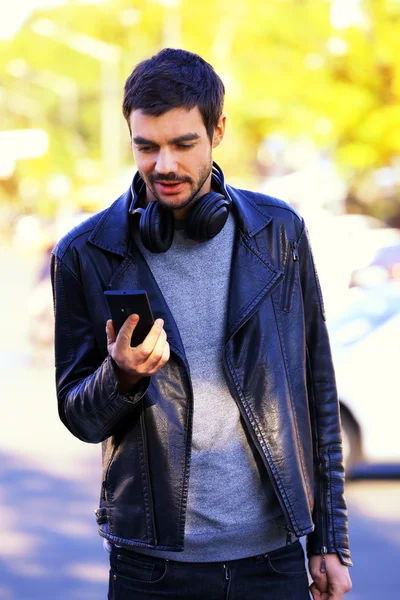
[(232, 510)]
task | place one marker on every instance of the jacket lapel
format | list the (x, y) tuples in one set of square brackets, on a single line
[(253, 275), (112, 234), (112, 231)]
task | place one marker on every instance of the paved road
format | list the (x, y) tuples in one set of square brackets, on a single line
[(49, 484)]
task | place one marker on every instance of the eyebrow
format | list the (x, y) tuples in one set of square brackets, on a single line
[(188, 137)]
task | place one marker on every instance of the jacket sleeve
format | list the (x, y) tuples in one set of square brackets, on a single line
[(89, 402), (330, 510)]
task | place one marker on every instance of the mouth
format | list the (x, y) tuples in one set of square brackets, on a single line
[(169, 188)]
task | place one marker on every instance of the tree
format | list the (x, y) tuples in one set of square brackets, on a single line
[(285, 67)]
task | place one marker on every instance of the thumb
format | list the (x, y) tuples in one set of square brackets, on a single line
[(125, 333), (316, 594)]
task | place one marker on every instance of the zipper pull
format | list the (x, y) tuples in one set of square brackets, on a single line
[(323, 465), (324, 551), (227, 572), (103, 495), (295, 251), (288, 535)]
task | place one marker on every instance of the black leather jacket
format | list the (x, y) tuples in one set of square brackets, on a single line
[(277, 363)]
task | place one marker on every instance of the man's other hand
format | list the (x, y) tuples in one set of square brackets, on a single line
[(137, 362), (334, 583)]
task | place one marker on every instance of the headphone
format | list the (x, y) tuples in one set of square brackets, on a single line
[(206, 219)]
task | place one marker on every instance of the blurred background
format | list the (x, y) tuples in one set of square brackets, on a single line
[(313, 106)]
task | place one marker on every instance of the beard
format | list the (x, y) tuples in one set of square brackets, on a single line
[(172, 178)]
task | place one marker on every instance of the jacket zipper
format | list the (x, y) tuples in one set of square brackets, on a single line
[(289, 276), (324, 549), (188, 446), (288, 535), (319, 504), (104, 482), (149, 489)]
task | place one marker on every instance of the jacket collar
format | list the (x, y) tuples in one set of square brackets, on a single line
[(112, 232), (250, 217)]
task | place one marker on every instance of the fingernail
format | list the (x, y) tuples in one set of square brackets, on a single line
[(160, 323)]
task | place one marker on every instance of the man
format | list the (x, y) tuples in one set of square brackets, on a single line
[(234, 384)]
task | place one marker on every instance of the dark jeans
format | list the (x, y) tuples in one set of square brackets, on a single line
[(278, 575)]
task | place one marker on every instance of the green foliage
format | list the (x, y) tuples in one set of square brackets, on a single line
[(285, 68)]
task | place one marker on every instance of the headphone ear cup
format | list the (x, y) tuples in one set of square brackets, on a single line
[(208, 216), (156, 228)]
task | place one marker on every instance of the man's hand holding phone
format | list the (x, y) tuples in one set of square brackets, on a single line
[(140, 361)]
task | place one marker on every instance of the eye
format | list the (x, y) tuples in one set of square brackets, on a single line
[(146, 149), (185, 146)]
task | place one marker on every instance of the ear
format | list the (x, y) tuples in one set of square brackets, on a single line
[(219, 131)]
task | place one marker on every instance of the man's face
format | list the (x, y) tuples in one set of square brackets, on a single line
[(173, 154)]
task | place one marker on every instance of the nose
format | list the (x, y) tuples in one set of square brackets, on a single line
[(166, 162)]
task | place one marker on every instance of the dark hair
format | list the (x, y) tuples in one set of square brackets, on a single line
[(172, 79)]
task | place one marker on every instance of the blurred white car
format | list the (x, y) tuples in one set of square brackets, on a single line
[(365, 341), (384, 266)]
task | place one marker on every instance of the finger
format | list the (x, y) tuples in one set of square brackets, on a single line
[(164, 358), (149, 343), (321, 583), (125, 333), (110, 332), (316, 594), (157, 353), (166, 354), (319, 590)]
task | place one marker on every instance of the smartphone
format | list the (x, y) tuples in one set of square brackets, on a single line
[(123, 303)]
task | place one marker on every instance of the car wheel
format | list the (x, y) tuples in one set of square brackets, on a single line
[(351, 441)]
